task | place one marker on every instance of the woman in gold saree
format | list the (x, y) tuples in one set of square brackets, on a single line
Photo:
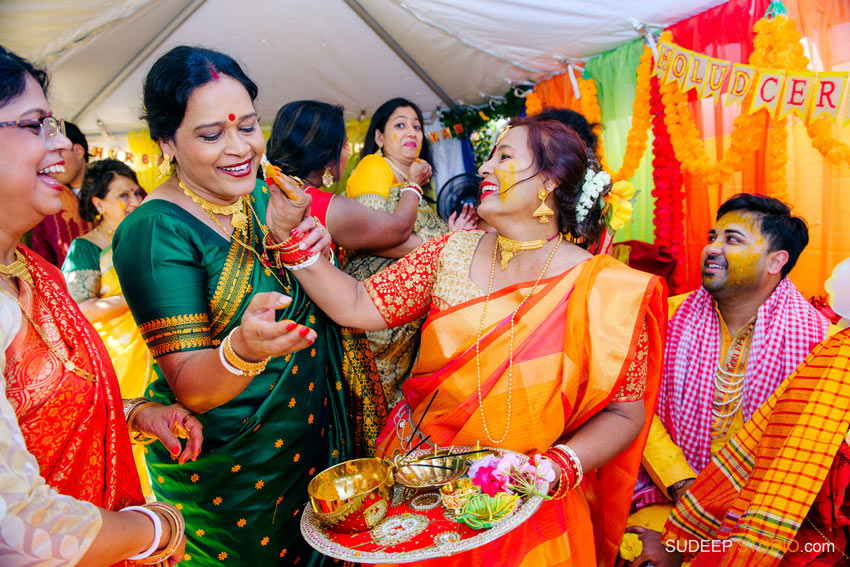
[(552, 346)]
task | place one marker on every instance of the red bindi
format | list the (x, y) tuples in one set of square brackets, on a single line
[(231, 117)]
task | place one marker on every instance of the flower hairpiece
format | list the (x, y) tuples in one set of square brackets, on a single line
[(594, 183)]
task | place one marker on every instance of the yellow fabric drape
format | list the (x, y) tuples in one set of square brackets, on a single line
[(141, 144)]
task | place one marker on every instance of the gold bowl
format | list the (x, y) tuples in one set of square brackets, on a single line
[(352, 496), (455, 494), (429, 470)]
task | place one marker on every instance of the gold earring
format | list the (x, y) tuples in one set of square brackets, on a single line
[(165, 168), (543, 212), (98, 217), (380, 151), (327, 177)]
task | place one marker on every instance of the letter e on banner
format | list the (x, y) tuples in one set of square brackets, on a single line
[(715, 78), (740, 82), (662, 62), (828, 94), (695, 77), (797, 94), (768, 91)]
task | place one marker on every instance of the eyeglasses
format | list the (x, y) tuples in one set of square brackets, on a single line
[(49, 127)]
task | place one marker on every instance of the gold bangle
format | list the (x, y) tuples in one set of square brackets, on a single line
[(178, 526), (132, 407), (246, 366)]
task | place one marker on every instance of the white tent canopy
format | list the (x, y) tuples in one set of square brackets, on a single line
[(357, 53)]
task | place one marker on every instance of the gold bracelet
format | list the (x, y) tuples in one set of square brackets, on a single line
[(246, 366), (178, 526), (132, 407)]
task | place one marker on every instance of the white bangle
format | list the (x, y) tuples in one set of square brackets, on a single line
[(413, 189), (305, 264), (227, 366), (574, 458), (157, 531)]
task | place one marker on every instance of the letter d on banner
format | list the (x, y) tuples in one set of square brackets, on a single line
[(740, 82), (768, 91)]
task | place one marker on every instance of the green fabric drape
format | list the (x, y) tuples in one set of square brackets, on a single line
[(615, 73)]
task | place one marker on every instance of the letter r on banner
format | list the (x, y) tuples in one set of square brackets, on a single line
[(768, 91), (828, 94)]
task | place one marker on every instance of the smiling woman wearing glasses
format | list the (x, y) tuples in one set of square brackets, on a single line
[(67, 478)]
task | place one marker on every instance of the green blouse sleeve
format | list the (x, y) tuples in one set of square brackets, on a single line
[(157, 253), (82, 270)]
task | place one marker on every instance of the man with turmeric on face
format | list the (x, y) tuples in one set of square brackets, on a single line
[(730, 344)]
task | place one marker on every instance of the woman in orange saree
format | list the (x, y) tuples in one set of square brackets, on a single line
[(561, 347)]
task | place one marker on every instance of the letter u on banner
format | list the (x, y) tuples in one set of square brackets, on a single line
[(715, 77), (740, 82), (796, 96), (768, 91), (828, 94)]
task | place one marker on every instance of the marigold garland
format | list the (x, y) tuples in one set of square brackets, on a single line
[(590, 110), (533, 104), (833, 150)]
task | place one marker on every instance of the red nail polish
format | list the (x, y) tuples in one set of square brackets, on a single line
[(304, 331), (291, 325), (294, 232)]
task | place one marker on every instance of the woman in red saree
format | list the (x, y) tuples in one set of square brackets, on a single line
[(554, 346), (66, 468)]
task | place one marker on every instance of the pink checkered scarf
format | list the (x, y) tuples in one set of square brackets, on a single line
[(787, 328)]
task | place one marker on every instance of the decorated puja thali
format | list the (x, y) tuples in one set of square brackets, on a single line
[(423, 505)]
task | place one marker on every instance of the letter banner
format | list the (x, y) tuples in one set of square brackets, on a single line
[(796, 95), (695, 78), (740, 82), (678, 66), (768, 90), (828, 94), (715, 78), (662, 61)]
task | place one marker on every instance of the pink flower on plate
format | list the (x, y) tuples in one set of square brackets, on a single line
[(488, 461), (490, 480)]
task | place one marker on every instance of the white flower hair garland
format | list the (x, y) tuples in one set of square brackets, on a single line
[(594, 184)]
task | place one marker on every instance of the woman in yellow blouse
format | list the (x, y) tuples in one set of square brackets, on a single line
[(396, 159)]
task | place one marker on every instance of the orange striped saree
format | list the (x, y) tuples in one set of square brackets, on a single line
[(573, 342), (74, 427)]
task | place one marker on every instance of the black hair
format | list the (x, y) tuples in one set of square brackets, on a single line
[(379, 122), (99, 175), (13, 75), (172, 79), (73, 133), (576, 121), (306, 135), (782, 230)]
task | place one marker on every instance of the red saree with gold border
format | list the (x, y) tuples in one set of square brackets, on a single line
[(74, 427), (573, 342)]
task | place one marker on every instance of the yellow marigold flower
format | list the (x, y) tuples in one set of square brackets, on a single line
[(631, 547)]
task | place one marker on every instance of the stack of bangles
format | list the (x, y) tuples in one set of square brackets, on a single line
[(411, 186), (571, 472), (132, 407), (237, 365), (287, 254), (153, 555)]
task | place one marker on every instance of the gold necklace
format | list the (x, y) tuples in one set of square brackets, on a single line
[(17, 269), (510, 248), (511, 351), (811, 523), (238, 219), (69, 364)]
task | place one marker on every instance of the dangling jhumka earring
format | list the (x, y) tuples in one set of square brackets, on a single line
[(327, 177), (98, 217), (543, 212), (380, 151), (165, 167)]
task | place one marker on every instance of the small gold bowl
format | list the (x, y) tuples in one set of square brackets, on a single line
[(457, 493), (429, 470), (353, 496)]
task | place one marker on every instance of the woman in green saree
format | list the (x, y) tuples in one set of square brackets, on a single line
[(241, 345)]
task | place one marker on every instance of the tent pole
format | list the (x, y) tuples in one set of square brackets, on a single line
[(139, 57), (400, 51)]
